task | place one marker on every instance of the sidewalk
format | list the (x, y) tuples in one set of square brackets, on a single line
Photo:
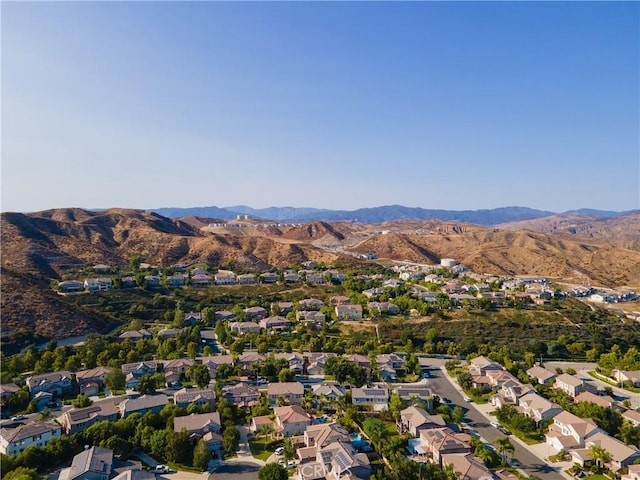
[(539, 450), (244, 452)]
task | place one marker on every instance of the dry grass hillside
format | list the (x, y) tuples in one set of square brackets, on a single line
[(39, 247), (623, 227)]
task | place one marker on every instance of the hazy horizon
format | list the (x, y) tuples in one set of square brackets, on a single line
[(336, 105)]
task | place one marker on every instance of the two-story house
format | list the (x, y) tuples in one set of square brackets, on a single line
[(15, 440), (94, 463), (79, 419), (290, 392), (56, 383)]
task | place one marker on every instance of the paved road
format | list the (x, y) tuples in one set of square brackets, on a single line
[(530, 463)]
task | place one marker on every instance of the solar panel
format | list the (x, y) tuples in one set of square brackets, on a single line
[(343, 461)]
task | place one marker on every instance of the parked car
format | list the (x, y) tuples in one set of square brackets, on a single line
[(467, 399), (279, 450), (494, 424), (17, 418), (161, 469)]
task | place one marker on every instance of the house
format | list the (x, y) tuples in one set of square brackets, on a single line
[(275, 323), (383, 308), (128, 282), (329, 392), (241, 395), (213, 363), (192, 318), (291, 277), (569, 431), (224, 315), (282, 307), (391, 283), (43, 399), (196, 396), (537, 407), (541, 374), (201, 280), (311, 304), (467, 466), (101, 268), (98, 284), (295, 360), (621, 455), (336, 461), (633, 474), (247, 359), (262, 423), (227, 278), (152, 281), (510, 393), (92, 379), (256, 313), (321, 435), (316, 361), (348, 312), (70, 286), (177, 280), (360, 360), (339, 300), (269, 277), (167, 333), (15, 440), (372, 292), (179, 366), (135, 335), (601, 400), (316, 278), (570, 385), (336, 276), (443, 441), (291, 420), (632, 416), (247, 279), (93, 463), (7, 390), (242, 328), (57, 383), (79, 419), (143, 404), (290, 392), (414, 419), (410, 393), (311, 317), (133, 371), (198, 424), (624, 377), (377, 397)]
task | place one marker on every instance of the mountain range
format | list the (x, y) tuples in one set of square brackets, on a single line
[(380, 214)]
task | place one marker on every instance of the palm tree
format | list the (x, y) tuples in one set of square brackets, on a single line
[(504, 445), (599, 454), (483, 453)]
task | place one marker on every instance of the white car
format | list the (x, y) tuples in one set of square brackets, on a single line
[(279, 450), (161, 469), (494, 424), (467, 399), (17, 418), (291, 463)]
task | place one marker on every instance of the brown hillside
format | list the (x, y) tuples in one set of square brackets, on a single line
[(623, 227)]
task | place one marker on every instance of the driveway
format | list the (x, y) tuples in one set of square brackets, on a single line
[(239, 470)]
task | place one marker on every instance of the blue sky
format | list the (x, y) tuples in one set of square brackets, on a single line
[(449, 105)]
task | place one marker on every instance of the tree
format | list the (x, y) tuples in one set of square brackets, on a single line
[(201, 455), (146, 385), (504, 445), (22, 473), (82, 401), (199, 374), (375, 430), (599, 455), (134, 262), (272, 471), (230, 438), (115, 380), (178, 447), (289, 451), (158, 442), (395, 405), (286, 375), (457, 416)]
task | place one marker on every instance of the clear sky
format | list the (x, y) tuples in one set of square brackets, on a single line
[(449, 105)]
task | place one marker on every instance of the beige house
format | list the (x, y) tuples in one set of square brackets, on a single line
[(414, 419), (467, 466), (291, 420), (79, 419), (569, 431), (290, 392), (570, 385), (541, 374)]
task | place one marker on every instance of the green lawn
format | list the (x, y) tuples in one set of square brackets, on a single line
[(596, 477), (263, 448)]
